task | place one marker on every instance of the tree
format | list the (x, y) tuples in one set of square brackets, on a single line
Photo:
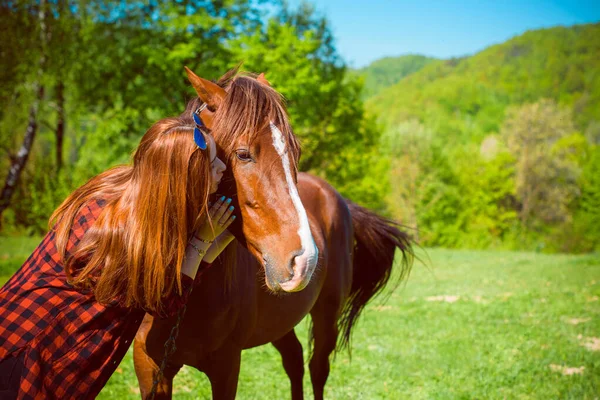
[(20, 160), (114, 68), (546, 178), (96, 58), (424, 192), (296, 51)]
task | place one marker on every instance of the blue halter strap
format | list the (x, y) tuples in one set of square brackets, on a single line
[(198, 136)]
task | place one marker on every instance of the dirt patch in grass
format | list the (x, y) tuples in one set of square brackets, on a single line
[(577, 321), (567, 370), (446, 299), (590, 343)]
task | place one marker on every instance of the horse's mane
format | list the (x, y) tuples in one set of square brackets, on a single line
[(247, 109)]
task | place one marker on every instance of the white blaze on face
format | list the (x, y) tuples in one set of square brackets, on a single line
[(308, 244)]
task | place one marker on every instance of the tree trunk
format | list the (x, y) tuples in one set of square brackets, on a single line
[(60, 124), (19, 162)]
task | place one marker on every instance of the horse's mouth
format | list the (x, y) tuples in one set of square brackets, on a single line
[(295, 284)]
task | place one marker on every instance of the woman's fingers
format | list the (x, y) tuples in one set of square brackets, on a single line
[(214, 209), (228, 222), (221, 210), (226, 215), (219, 218)]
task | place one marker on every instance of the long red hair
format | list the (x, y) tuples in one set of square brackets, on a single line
[(135, 249)]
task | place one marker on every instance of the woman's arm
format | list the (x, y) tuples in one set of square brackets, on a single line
[(195, 252), (211, 238), (220, 243)]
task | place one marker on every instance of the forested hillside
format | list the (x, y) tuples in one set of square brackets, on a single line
[(500, 148), (468, 96), (387, 71)]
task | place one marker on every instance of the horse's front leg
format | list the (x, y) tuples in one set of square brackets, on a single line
[(291, 356), (324, 315), (223, 369), (146, 370)]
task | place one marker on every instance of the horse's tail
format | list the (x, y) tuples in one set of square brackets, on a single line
[(376, 241)]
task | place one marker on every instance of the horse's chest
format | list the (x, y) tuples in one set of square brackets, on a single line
[(277, 314)]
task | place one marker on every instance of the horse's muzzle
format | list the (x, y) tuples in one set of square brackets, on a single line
[(303, 267)]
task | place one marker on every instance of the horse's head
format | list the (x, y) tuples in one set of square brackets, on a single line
[(251, 128)]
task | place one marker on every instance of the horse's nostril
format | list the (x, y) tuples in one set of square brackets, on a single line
[(292, 262), (290, 267), (289, 278)]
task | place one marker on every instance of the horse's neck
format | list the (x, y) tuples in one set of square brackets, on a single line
[(233, 271)]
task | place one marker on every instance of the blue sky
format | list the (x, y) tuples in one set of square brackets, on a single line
[(368, 30)]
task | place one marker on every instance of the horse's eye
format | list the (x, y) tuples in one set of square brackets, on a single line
[(243, 155)]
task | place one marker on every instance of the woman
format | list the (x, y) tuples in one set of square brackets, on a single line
[(127, 242)]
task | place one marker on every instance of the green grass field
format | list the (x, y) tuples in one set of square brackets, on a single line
[(468, 325)]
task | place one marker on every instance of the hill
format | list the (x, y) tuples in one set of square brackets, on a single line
[(467, 97), (501, 148), (387, 71)]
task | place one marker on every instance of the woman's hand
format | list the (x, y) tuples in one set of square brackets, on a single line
[(220, 243), (220, 216)]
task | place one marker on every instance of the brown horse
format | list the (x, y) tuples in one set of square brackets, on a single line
[(231, 309)]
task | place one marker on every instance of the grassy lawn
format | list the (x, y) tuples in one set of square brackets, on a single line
[(470, 324)]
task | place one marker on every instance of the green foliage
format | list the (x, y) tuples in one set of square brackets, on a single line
[(487, 188), (466, 98), (423, 192), (360, 175), (488, 150), (590, 199), (584, 232), (14, 250), (121, 67), (546, 176), (39, 195), (325, 106), (387, 71)]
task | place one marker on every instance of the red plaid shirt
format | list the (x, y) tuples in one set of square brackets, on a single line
[(66, 343)]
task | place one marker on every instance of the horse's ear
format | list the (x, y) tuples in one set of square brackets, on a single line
[(210, 93), (261, 78)]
